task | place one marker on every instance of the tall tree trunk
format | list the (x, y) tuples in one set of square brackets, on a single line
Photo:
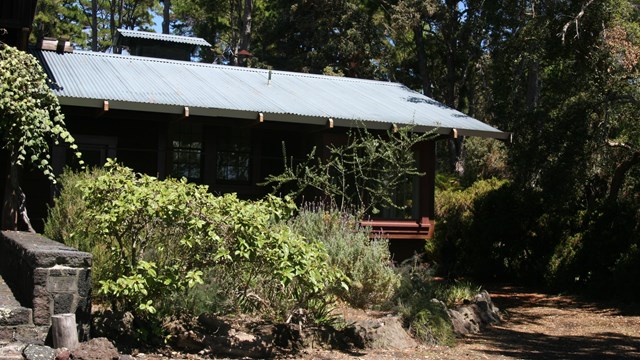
[(533, 87), (166, 16), (112, 23), (94, 25), (418, 35), (245, 32)]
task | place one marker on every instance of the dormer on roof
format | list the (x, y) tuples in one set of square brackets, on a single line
[(165, 46)]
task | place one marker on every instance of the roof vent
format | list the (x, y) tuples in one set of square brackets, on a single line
[(166, 46)]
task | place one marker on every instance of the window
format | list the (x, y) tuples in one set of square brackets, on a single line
[(95, 151), (186, 151), (405, 196), (234, 156)]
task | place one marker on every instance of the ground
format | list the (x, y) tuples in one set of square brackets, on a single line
[(539, 326)]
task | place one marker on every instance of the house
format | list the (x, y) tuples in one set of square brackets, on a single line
[(224, 126)]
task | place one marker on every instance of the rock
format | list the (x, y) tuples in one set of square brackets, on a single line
[(382, 333), (12, 351), (214, 324), (95, 349), (239, 344), (38, 352), (189, 341), (474, 315), (63, 354), (465, 319)]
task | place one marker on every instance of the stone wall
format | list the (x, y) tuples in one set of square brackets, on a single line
[(47, 277)]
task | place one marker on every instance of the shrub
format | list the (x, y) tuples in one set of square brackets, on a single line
[(426, 319), (66, 221), (366, 263), (455, 292), (431, 325), (160, 238), (456, 213)]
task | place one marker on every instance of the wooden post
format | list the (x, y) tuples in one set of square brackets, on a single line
[(427, 183), (64, 331)]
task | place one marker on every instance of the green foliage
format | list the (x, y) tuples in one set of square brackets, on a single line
[(62, 18), (454, 293), (65, 221), (431, 325), (154, 232), (30, 116), (372, 280), (426, 318), (362, 175), (602, 257), (456, 212), (158, 241), (483, 159), (72, 19)]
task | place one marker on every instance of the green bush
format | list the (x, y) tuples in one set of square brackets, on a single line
[(65, 221), (431, 325), (156, 241), (456, 214), (426, 319), (602, 257), (453, 293), (366, 263)]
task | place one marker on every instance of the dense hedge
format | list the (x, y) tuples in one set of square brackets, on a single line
[(495, 230)]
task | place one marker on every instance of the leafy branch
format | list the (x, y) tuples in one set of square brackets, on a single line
[(363, 175)]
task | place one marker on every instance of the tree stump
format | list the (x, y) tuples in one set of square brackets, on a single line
[(64, 331)]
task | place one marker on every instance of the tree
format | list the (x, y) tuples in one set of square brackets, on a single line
[(448, 38), (70, 18), (334, 37), (30, 119), (227, 24)]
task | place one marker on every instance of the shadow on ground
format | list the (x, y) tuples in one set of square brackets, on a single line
[(510, 341), (530, 346)]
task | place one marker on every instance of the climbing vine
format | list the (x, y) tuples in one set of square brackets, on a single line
[(30, 121), (30, 115)]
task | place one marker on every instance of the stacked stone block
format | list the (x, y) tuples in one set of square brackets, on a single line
[(48, 278)]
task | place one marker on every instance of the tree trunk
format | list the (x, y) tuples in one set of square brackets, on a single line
[(533, 88), (112, 24), (94, 25), (166, 16), (245, 33), (14, 211), (620, 174), (418, 35)]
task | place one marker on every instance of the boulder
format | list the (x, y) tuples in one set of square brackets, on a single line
[(381, 333), (38, 352), (474, 315)]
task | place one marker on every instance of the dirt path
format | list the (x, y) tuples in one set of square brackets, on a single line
[(539, 326)]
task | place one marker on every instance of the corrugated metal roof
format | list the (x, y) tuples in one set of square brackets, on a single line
[(149, 84), (163, 37)]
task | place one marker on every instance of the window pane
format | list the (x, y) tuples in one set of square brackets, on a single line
[(186, 152), (234, 155)]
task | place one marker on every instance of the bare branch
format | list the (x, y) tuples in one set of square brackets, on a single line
[(623, 145), (575, 21)]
